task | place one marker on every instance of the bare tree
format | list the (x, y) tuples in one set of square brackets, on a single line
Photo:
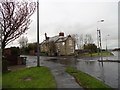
[(88, 39), (76, 38), (81, 41), (23, 41), (15, 19)]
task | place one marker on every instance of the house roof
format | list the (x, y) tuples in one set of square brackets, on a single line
[(55, 39), (62, 39)]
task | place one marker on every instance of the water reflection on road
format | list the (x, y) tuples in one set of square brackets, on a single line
[(106, 72)]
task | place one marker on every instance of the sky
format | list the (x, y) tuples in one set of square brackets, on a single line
[(76, 17)]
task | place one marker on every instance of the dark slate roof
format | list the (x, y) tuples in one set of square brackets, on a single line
[(62, 39), (55, 39)]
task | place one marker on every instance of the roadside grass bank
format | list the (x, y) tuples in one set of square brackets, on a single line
[(85, 80), (33, 77), (104, 53), (0, 81)]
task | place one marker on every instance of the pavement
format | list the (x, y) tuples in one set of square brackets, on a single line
[(63, 79)]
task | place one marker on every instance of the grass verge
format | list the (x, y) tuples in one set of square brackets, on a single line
[(85, 80), (0, 81), (104, 53), (33, 77)]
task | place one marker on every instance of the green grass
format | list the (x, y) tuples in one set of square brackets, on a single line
[(0, 81), (85, 80), (41, 78), (104, 53)]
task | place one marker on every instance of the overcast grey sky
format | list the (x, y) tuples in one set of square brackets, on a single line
[(76, 17)]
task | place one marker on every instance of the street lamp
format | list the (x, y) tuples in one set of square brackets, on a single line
[(101, 20), (38, 49), (99, 39)]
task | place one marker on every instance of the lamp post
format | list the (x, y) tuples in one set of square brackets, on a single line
[(38, 49), (1, 38), (99, 39)]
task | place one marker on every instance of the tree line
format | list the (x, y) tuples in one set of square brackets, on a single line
[(85, 42)]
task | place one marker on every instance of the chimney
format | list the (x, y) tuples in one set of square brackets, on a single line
[(46, 36), (69, 35), (61, 34)]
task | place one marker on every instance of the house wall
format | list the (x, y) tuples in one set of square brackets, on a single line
[(61, 48), (70, 46)]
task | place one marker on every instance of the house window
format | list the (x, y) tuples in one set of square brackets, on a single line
[(70, 42), (72, 50)]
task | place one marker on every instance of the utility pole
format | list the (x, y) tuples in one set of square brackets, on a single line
[(38, 49), (99, 40), (100, 44)]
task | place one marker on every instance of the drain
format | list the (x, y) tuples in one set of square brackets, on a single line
[(27, 79)]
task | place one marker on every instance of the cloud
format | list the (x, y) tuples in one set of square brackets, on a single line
[(76, 16)]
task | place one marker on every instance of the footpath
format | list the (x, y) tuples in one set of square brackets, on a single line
[(63, 79)]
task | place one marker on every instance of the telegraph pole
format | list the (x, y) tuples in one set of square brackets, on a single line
[(38, 49), (100, 44), (99, 40)]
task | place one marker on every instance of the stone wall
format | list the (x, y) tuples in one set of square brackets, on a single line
[(61, 48), (70, 46)]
